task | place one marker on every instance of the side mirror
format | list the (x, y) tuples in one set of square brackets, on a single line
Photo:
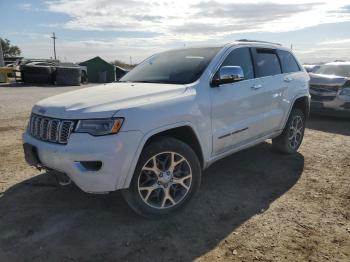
[(227, 74)]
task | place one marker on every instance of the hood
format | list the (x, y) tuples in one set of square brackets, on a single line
[(327, 80), (104, 101)]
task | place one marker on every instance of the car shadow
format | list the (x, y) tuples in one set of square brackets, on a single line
[(329, 124), (42, 222)]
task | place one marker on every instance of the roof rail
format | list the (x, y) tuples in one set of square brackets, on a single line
[(256, 41)]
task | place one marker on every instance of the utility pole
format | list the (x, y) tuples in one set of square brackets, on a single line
[(130, 60), (54, 43), (2, 63)]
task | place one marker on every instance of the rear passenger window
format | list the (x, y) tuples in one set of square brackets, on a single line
[(288, 62), (241, 57), (267, 63)]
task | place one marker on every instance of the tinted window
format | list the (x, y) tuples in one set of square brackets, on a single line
[(267, 63), (288, 62), (241, 57), (175, 67)]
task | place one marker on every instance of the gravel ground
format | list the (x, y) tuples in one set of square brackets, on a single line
[(256, 205)]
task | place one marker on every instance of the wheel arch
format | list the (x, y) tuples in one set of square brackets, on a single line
[(185, 132), (301, 102)]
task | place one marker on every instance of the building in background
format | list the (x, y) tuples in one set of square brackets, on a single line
[(99, 70)]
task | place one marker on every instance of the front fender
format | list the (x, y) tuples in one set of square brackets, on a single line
[(147, 136)]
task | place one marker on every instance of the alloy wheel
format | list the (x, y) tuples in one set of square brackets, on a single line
[(296, 131), (165, 180)]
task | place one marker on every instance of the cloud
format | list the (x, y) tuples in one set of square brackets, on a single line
[(176, 23), (30, 35), (336, 42), (344, 9), (215, 17), (28, 7), (206, 19), (25, 6), (324, 54), (260, 12)]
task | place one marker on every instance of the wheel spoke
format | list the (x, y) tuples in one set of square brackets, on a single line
[(174, 163), (181, 181), (149, 190), (167, 196), (154, 167)]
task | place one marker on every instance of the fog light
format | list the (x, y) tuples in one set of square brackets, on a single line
[(91, 165)]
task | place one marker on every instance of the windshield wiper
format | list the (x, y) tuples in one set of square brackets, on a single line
[(145, 81), (156, 82)]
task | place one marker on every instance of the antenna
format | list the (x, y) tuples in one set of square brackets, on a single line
[(54, 43)]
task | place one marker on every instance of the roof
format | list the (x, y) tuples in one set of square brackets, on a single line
[(258, 43), (96, 58)]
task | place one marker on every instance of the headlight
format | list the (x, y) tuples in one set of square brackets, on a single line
[(99, 127), (345, 92)]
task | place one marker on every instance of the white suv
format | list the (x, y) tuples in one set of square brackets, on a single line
[(153, 132)]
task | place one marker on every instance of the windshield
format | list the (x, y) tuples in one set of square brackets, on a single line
[(338, 70), (175, 67)]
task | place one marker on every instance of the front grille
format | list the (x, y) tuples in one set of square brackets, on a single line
[(324, 89), (50, 129), (321, 98), (323, 93)]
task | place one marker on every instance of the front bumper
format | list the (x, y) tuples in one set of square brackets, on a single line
[(116, 152), (339, 106)]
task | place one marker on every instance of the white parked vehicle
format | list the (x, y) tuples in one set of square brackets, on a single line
[(152, 133)]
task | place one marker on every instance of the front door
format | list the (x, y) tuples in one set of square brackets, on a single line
[(237, 108)]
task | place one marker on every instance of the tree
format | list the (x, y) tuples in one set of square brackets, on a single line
[(8, 49), (122, 64)]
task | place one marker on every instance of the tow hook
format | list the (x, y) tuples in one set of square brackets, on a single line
[(62, 179)]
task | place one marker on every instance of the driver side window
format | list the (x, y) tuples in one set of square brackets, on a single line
[(241, 57)]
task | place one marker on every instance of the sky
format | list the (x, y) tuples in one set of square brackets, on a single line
[(318, 31)]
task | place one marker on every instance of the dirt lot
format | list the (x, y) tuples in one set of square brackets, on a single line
[(254, 205)]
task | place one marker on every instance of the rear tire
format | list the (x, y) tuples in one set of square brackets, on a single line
[(167, 176), (290, 140)]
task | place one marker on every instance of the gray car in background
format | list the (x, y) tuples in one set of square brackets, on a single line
[(330, 89)]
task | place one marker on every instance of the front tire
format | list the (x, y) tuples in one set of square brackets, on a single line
[(290, 140), (166, 177)]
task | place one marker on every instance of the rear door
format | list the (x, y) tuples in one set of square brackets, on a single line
[(293, 77), (273, 86)]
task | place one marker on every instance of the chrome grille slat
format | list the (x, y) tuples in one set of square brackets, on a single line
[(65, 130), (50, 130), (43, 128), (37, 127), (54, 130)]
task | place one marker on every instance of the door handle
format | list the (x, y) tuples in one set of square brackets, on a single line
[(287, 79), (257, 86)]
